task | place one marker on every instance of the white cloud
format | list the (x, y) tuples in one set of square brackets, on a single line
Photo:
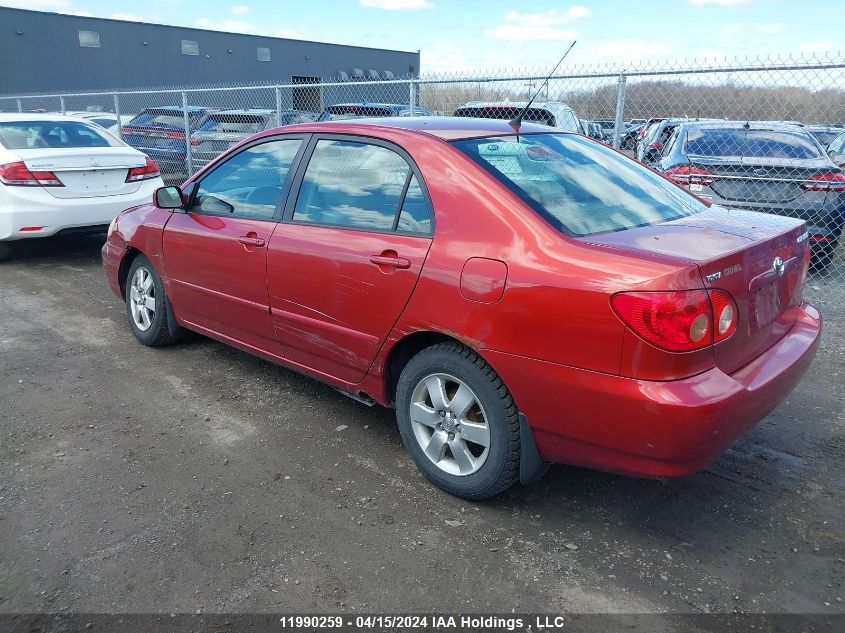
[(718, 3), (397, 5), (538, 26), (628, 49), (735, 28), (128, 17), (444, 56), (817, 47), (231, 26), (239, 9)]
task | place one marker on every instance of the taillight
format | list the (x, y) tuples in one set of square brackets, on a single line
[(724, 314), (196, 141), (18, 175), (148, 171), (828, 181), (689, 175), (656, 146), (680, 321), (179, 136)]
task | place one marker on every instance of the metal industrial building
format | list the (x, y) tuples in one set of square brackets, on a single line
[(50, 52)]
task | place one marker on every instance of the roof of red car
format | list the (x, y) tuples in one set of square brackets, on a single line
[(445, 127)]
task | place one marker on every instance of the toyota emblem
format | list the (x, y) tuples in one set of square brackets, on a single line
[(777, 266)]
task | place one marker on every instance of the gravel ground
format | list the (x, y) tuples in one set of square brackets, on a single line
[(199, 478)]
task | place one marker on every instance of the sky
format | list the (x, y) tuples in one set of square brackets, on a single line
[(477, 35)]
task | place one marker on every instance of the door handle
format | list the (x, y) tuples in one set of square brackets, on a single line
[(395, 262), (249, 240)]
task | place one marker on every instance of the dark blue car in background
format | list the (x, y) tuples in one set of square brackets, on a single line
[(160, 134)]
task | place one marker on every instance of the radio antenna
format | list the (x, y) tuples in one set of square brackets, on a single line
[(516, 122)]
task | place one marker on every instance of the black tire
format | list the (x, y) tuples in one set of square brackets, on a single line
[(822, 257), (158, 333), (500, 470), (5, 251)]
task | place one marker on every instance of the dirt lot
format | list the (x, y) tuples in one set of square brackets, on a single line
[(199, 478)]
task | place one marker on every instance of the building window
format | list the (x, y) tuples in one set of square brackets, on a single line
[(89, 39), (263, 54), (190, 47)]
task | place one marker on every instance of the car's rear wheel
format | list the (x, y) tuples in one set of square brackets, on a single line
[(146, 304), (822, 256), (459, 422)]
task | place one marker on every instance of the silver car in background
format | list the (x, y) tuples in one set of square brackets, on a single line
[(552, 113), (221, 130), (762, 166)]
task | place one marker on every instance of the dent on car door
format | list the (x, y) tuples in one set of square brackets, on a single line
[(344, 263), (216, 251)]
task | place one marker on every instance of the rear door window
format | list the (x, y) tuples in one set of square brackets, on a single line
[(579, 186), (360, 185)]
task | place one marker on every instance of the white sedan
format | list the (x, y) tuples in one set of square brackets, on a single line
[(61, 174)]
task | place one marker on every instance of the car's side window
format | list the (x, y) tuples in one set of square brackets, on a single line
[(360, 185), (414, 217), (249, 183)]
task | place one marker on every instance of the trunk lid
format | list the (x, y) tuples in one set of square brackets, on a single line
[(86, 172), (758, 258)]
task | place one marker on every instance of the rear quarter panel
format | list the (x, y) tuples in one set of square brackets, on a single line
[(555, 305)]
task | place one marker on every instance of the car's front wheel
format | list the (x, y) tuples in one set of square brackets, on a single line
[(459, 422), (146, 304)]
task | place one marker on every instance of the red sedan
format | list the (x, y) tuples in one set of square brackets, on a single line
[(520, 299)]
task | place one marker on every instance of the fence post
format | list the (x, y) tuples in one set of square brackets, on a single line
[(620, 111), (20, 109), (278, 106), (62, 104), (189, 163), (117, 116), (412, 101)]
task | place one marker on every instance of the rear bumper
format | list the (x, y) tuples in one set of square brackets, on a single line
[(34, 209), (653, 429)]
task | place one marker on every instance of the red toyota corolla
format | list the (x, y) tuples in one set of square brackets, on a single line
[(519, 299)]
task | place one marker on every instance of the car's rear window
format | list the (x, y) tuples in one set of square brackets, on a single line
[(160, 118), (581, 187), (33, 134), (751, 143), (234, 123), (506, 112), (339, 113)]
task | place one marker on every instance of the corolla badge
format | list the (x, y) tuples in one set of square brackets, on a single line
[(95, 162), (761, 172), (777, 266)]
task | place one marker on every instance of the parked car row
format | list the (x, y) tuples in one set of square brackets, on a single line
[(768, 166)]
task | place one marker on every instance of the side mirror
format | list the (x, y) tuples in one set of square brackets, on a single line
[(169, 198)]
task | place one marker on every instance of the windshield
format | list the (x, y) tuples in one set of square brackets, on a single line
[(32, 134), (506, 112), (340, 113), (581, 187), (825, 136), (234, 123), (161, 118), (724, 142)]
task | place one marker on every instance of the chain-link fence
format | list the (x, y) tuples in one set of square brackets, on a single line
[(763, 134)]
